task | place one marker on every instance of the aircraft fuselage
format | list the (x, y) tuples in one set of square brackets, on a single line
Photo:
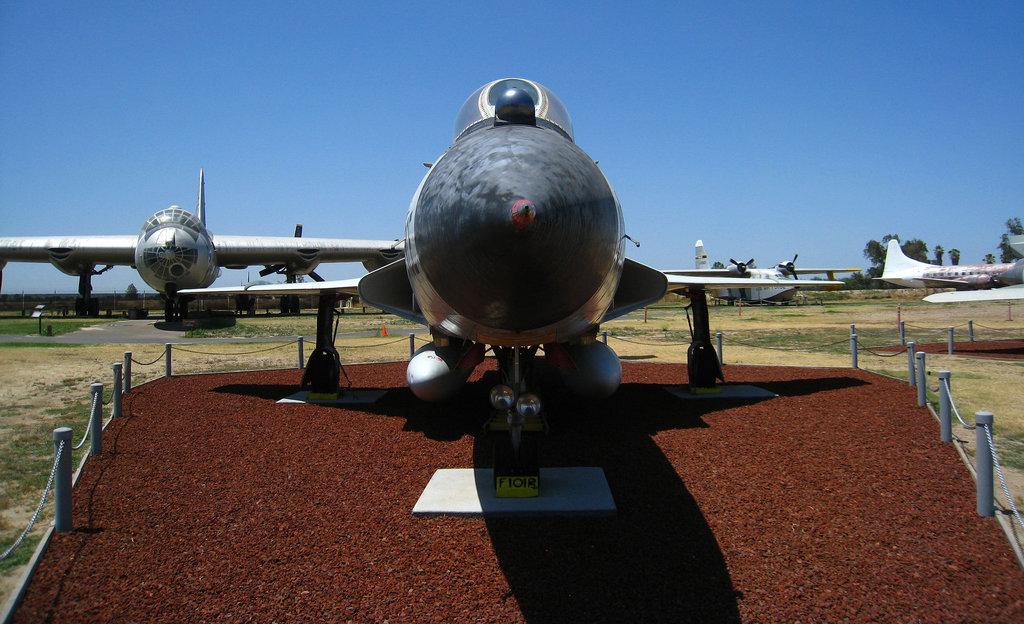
[(514, 237)]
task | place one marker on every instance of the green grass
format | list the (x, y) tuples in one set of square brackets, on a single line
[(20, 556), (30, 326)]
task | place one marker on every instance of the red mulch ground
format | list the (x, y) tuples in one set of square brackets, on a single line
[(835, 502)]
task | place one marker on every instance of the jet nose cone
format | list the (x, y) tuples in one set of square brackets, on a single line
[(523, 213), (516, 228)]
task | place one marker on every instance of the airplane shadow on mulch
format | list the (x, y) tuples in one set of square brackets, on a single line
[(655, 560), (802, 387)]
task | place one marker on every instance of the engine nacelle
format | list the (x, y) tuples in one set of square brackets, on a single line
[(438, 373), (592, 371), (175, 251), (980, 281)]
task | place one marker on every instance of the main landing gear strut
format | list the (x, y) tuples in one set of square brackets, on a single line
[(323, 369), (702, 364)]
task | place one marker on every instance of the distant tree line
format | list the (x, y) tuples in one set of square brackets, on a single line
[(917, 249)]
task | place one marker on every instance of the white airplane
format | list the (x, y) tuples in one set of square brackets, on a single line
[(782, 271), (174, 251), (909, 273)]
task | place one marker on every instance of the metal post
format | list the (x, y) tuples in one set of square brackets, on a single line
[(853, 350), (412, 345), (96, 419), (116, 391), (127, 371), (945, 408), (167, 359), (949, 341), (910, 364), (604, 336), (302, 355), (853, 329), (903, 333), (922, 385), (983, 425), (718, 337), (970, 330), (62, 479)]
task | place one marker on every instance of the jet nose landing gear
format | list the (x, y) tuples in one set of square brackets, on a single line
[(516, 466)]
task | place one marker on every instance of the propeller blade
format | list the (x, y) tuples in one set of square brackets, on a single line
[(298, 230), (316, 278)]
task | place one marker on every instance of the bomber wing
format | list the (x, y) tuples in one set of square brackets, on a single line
[(243, 251), (994, 294), (60, 250)]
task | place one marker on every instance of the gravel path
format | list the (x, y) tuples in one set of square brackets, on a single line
[(834, 502)]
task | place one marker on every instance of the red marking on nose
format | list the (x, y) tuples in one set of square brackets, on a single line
[(523, 213)]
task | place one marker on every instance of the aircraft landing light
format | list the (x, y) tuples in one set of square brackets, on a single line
[(470, 492), (727, 391), (346, 397)]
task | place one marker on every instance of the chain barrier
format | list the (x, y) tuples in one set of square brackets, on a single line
[(941, 329), (158, 358), (281, 346), (952, 404), (35, 516), (88, 428), (802, 348), (997, 329), (649, 344), (383, 344), (1002, 480), (870, 351)]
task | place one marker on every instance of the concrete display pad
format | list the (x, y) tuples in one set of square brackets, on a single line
[(470, 491), (729, 391), (349, 397)]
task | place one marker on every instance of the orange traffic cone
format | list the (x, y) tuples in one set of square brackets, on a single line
[(383, 330)]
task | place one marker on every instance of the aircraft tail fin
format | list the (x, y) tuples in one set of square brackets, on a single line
[(201, 200), (896, 261), (702, 256)]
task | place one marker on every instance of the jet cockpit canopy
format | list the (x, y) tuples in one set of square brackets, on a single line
[(478, 111)]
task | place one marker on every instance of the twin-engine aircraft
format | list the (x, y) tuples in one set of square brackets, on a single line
[(909, 273), (514, 241), (766, 294), (174, 251)]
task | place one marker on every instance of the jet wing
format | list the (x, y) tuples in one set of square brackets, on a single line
[(243, 251), (68, 250), (994, 294), (346, 287)]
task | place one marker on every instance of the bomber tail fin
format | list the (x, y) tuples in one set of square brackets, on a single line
[(702, 257), (896, 261), (201, 201)]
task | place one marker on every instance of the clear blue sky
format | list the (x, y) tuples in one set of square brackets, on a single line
[(763, 128)]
